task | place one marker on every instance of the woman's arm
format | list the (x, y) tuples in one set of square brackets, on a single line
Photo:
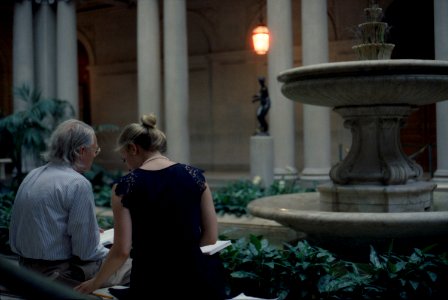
[(120, 250), (209, 221)]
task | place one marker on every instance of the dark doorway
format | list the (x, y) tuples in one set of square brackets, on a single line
[(83, 84), (412, 31)]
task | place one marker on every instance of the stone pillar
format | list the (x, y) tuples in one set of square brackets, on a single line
[(45, 42), (176, 79), (67, 54), (280, 58), (23, 65), (441, 52), (148, 59), (262, 159), (316, 119)]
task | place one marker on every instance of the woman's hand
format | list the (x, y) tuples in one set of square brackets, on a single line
[(87, 286)]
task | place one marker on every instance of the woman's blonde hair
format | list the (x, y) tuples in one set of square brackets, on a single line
[(144, 134)]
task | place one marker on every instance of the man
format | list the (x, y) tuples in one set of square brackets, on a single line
[(53, 226)]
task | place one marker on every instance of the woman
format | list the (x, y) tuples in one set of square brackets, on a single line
[(164, 212)]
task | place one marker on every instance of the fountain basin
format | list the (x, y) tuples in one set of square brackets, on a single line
[(368, 82), (301, 212)]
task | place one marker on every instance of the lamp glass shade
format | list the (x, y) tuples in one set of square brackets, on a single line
[(260, 39)]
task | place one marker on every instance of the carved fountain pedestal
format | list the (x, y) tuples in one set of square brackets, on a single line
[(376, 176)]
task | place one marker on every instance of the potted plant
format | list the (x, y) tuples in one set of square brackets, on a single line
[(27, 130)]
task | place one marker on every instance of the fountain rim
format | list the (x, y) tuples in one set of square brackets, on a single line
[(352, 224), (253, 205), (365, 67)]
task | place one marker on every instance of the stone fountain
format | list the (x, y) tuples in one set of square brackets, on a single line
[(377, 192)]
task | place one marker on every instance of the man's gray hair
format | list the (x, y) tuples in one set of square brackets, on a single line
[(66, 141)]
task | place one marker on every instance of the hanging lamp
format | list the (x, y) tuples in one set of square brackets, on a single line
[(260, 39), (260, 35)]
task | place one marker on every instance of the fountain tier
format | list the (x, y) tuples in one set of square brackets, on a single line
[(372, 35), (374, 98), (371, 82)]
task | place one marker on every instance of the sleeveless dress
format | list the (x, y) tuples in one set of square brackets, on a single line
[(167, 259)]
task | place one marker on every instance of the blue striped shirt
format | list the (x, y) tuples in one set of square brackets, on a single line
[(53, 216)]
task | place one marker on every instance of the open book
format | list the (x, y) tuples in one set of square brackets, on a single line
[(216, 247), (107, 238)]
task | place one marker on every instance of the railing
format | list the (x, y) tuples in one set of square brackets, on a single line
[(31, 285)]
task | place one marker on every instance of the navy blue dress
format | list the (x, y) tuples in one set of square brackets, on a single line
[(167, 259)]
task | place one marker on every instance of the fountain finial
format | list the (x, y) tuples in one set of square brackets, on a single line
[(372, 35)]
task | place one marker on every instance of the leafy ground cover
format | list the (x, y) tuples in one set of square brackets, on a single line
[(303, 271)]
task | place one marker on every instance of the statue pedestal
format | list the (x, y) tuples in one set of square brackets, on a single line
[(262, 158)]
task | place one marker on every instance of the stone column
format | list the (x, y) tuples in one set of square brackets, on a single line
[(176, 79), (441, 51), (45, 42), (316, 119), (280, 58), (148, 58), (67, 54), (23, 66)]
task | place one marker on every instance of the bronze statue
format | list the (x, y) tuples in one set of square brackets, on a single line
[(262, 111)]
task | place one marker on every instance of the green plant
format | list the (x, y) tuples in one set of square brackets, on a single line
[(280, 187), (29, 129), (303, 271), (102, 180), (416, 276), (234, 197), (105, 222), (6, 200), (253, 267)]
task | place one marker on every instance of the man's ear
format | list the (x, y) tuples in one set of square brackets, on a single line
[(82, 150)]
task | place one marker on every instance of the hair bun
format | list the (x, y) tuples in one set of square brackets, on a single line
[(149, 121)]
